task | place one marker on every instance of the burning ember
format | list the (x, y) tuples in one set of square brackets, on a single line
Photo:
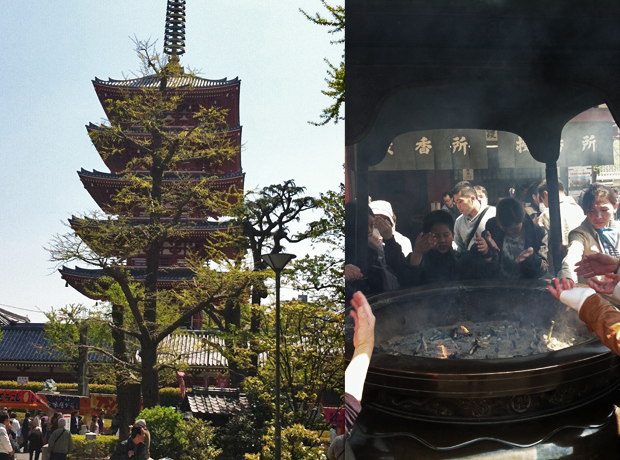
[(442, 353), (488, 340)]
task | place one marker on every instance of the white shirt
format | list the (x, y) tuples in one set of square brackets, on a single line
[(15, 426), (5, 442), (571, 216), (465, 224)]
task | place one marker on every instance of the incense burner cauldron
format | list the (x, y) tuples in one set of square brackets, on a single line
[(551, 405)]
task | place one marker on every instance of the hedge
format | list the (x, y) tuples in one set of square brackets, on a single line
[(167, 396), (102, 446), (170, 397)]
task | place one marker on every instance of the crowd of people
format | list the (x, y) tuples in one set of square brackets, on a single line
[(469, 239), (508, 241), (35, 432)]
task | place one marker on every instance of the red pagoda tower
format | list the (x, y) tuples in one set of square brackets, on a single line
[(195, 229)]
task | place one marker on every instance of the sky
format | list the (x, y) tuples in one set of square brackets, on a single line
[(53, 50)]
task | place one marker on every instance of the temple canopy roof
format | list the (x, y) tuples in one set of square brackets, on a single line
[(151, 81)]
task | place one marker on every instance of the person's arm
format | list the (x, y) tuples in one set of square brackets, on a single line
[(5, 442), (600, 316), (70, 443), (597, 264), (364, 342), (575, 252), (52, 440)]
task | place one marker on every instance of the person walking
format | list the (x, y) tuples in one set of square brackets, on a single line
[(26, 423), (6, 449), (35, 440), (60, 442), (73, 427)]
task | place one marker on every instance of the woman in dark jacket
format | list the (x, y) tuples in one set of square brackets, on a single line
[(513, 246)]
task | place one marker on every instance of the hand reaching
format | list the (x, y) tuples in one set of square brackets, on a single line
[(560, 285), (524, 255), (604, 287), (364, 336), (596, 264), (423, 244)]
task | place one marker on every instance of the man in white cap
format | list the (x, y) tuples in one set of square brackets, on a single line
[(383, 209)]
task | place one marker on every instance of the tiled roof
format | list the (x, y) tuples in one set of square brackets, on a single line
[(216, 401), (172, 176), (192, 347), (174, 82), (29, 343)]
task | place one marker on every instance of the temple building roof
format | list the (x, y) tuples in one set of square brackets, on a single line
[(215, 404), (29, 343), (173, 82)]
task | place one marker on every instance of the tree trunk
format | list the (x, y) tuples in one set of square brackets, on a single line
[(150, 374), (232, 317), (127, 393), (83, 362)]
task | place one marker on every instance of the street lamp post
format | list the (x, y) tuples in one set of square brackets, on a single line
[(277, 262)]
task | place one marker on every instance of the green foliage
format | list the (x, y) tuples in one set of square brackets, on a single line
[(168, 432), (335, 74), (101, 447), (200, 445), (242, 433), (103, 389), (170, 397), (298, 443)]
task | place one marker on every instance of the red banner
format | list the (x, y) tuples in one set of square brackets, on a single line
[(21, 399), (106, 403)]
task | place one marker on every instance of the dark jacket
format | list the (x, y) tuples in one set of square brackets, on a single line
[(74, 428), (36, 440), (534, 266), (435, 266), (122, 449)]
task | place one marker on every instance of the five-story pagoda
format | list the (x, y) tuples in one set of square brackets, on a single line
[(172, 165)]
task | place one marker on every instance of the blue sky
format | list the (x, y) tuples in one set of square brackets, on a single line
[(52, 51)]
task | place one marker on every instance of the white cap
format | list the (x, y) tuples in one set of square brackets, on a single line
[(382, 208)]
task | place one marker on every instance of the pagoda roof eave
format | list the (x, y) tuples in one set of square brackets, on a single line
[(168, 177), (93, 127), (166, 277), (151, 81), (189, 227)]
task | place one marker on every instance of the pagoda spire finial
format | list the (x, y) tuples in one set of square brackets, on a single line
[(174, 37)]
